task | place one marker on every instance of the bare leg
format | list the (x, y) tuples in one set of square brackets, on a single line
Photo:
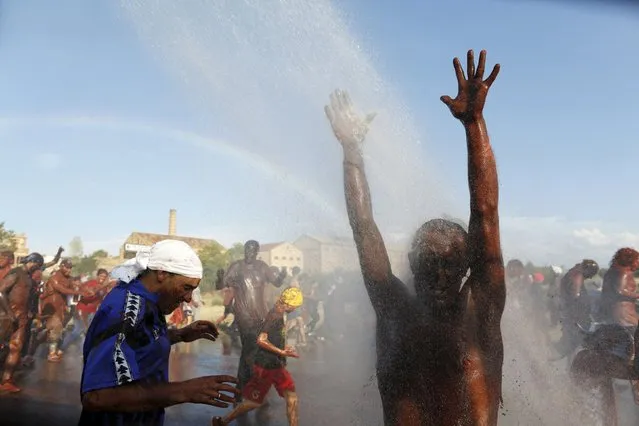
[(292, 409), (15, 349), (242, 408), (54, 328), (301, 330)]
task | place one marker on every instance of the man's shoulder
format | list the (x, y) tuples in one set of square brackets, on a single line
[(122, 295), (272, 319)]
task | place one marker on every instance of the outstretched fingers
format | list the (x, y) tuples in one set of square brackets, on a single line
[(335, 102), (470, 64), (369, 118), (329, 113), (459, 72), (481, 66), (493, 75), (344, 100), (447, 100)]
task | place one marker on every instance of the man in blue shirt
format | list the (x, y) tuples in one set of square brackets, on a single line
[(126, 351)]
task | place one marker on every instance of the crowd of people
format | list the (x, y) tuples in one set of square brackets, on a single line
[(439, 348)]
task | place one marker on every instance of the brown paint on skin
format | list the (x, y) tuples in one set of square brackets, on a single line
[(439, 354), (17, 288), (6, 263), (54, 304), (171, 289), (409, 413), (593, 368)]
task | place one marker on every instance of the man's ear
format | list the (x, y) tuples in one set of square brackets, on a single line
[(161, 275)]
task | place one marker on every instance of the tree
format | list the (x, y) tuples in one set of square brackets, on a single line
[(76, 249), (84, 265), (213, 257), (7, 241), (236, 252), (100, 254)]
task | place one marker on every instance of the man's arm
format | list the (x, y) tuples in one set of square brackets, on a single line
[(576, 283), (55, 285), (134, 397), (487, 278), (137, 397), (621, 287), (276, 280), (350, 131), (230, 276), (8, 282), (55, 260), (4, 305), (263, 342)]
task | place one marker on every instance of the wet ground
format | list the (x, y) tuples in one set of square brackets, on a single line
[(343, 391), (335, 383)]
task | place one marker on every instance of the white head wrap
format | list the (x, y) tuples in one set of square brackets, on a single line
[(172, 256), (556, 269)]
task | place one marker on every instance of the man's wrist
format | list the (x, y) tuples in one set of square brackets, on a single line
[(175, 336), (353, 154)]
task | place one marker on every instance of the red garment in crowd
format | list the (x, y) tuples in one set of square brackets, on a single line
[(177, 317), (89, 304)]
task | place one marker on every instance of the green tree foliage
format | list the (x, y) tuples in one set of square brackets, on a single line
[(214, 257), (84, 264), (6, 238), (76, 248), (236, 252)]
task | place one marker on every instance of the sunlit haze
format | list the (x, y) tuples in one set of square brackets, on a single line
[(110, 117)]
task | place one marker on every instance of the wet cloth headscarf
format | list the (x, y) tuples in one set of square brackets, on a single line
[(172, 256)]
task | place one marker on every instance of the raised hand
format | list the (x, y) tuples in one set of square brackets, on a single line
[(348, 126), (290, 352), (468, 105), (198, 330), (208, 390)]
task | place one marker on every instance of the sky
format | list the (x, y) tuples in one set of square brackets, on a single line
[(112, 113)]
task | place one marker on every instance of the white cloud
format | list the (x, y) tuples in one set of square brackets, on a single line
[(48, 161), (547, 240), (593, 236)]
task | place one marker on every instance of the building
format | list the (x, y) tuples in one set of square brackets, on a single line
[(22, 248), (281, 254), (139, 241), (325, 255)]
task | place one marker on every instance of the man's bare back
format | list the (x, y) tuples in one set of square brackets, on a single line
[(439, 352)]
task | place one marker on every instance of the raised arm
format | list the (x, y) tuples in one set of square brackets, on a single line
[(622, 287), (350, 130), (55, 260), (5, 285), (276, 279), (487, 267)]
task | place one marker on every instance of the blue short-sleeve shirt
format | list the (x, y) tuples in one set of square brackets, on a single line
[(126, 342)]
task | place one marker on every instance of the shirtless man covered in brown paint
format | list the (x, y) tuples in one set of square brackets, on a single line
[(6, 262), (439, 353), (15, 289), (54, 306)]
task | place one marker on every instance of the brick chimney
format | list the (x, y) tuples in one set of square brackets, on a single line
[(172, 221)]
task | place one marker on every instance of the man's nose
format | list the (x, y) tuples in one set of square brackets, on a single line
[(188, 296)]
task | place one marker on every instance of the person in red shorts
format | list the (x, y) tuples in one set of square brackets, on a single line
[(269, 368)]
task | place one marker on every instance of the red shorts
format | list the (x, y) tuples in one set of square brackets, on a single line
[(262, 380)]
